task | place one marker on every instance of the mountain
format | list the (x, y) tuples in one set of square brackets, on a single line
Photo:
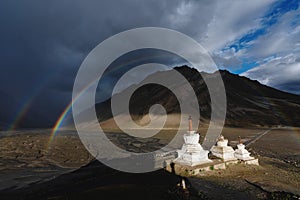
[(249, 103)]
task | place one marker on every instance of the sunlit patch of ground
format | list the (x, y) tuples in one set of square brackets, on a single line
[(27, 157)]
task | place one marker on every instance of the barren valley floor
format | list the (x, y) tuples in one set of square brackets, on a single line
[(28, 159)]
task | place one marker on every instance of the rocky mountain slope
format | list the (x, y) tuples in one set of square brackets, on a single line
[(249, 103)]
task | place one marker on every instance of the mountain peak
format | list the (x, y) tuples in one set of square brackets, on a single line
[(249, 103)]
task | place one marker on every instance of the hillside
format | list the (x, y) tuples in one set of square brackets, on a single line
[(249, 103)]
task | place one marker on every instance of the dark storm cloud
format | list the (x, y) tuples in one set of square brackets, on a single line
[(44, 42)]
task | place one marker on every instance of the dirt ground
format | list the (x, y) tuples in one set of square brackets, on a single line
[(28, 157), (278, 152)]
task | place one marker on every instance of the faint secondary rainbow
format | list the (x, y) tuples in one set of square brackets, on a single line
[(26, 105), (20, 114)]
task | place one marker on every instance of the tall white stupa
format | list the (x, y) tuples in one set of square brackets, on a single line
[(191, 153)]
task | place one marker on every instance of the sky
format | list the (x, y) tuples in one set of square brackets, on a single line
[(43, 44)]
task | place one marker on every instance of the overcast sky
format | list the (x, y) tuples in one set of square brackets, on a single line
[(44, 42)]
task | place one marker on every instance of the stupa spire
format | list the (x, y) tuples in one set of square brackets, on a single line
[(190, 124)]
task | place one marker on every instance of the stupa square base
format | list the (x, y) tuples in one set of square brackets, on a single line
[(253, 161), (203, 168), (192, 159)]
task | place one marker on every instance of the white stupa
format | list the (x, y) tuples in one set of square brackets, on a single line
[(222, 150), (242, 153), (192, 153)]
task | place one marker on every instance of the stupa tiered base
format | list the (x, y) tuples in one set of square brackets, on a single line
[(222, 150), (192, 153)]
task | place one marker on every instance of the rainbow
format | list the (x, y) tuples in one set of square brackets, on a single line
[(58, 123), (67, 110)]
